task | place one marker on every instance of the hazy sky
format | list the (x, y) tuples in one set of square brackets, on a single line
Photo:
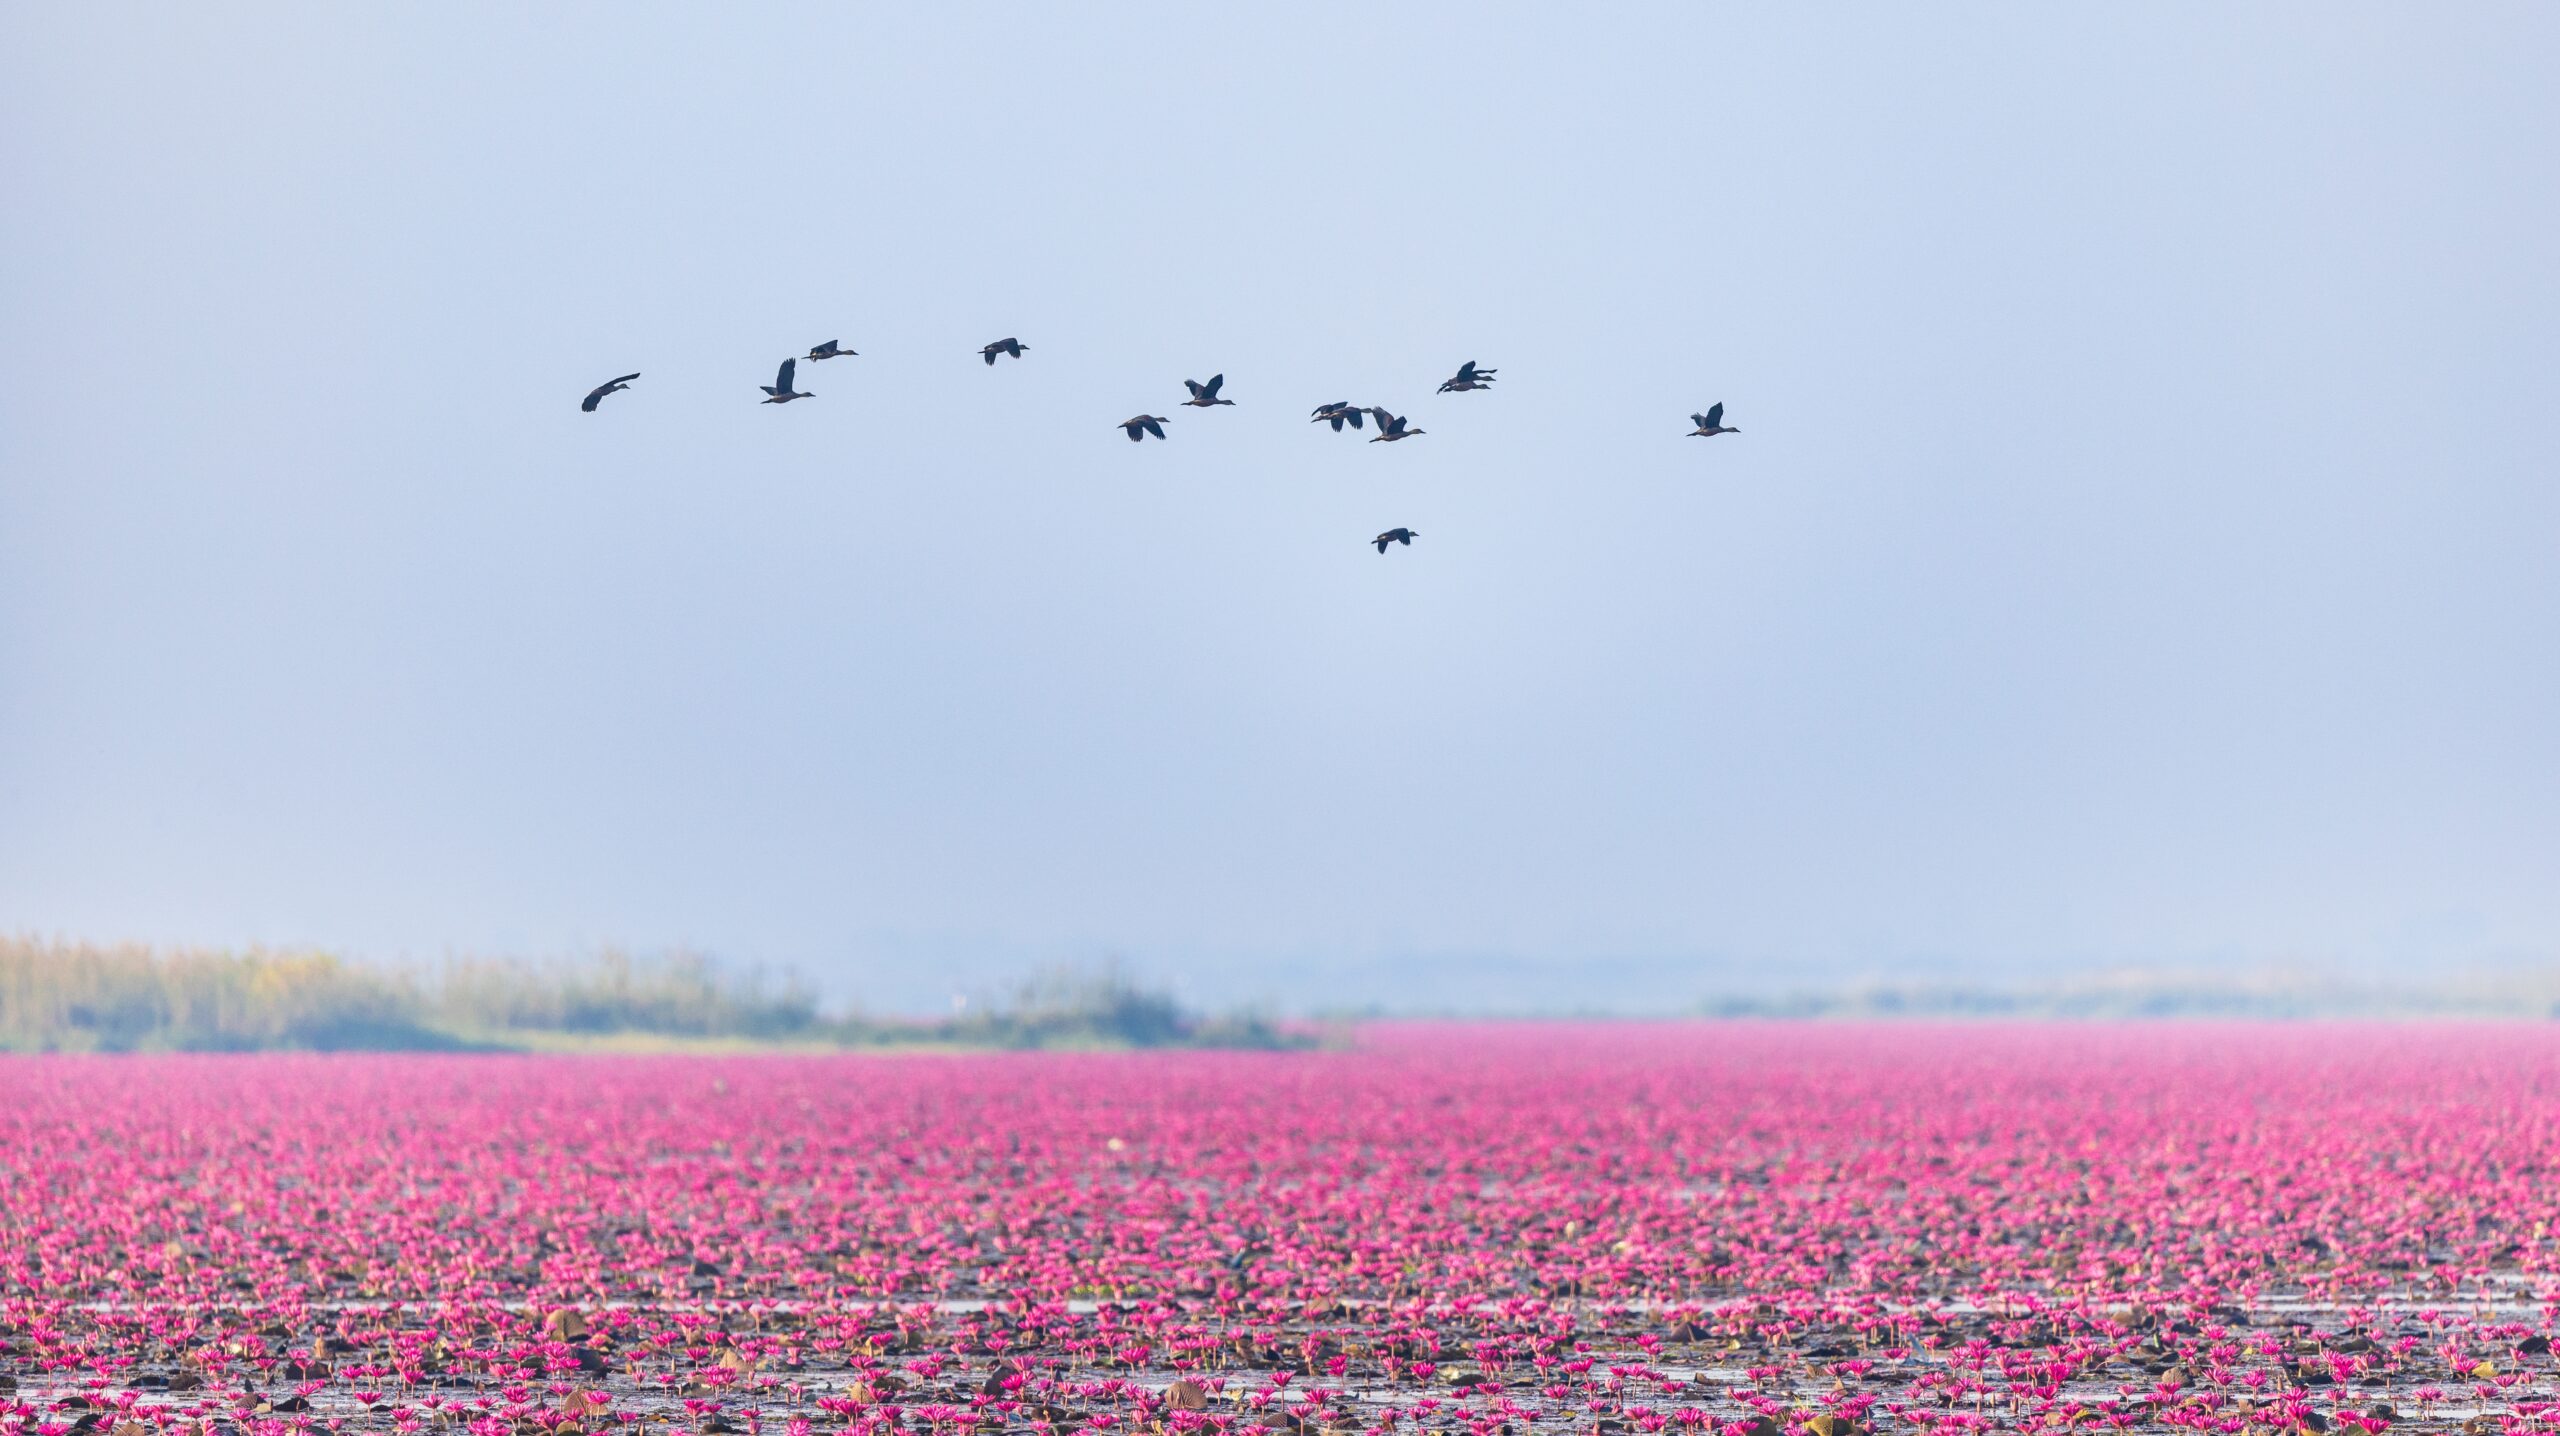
[(2140, 546)]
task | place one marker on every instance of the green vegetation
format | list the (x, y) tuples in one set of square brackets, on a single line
[(81, 997), (1070, 1007)]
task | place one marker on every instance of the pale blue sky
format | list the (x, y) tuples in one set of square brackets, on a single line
[(2140, 546)]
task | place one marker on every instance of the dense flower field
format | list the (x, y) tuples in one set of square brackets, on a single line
[(1495, 1231)]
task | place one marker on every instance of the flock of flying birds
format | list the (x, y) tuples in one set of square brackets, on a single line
[(1391, 427)]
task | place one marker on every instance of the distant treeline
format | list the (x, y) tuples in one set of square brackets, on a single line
[(65, 996), (2145, 994)]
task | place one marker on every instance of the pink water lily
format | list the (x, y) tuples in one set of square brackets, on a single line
[(1768, 1230)]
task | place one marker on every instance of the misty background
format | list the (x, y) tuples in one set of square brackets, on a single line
[(2139, 550)]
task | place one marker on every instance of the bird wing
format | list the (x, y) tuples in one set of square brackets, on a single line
[(1381, 542), (627, 378), (1353, 415), (1132, 430), (1698, 419), (1196, 387), (589, 403), (782, 379), (1155, 428), (1467, 370), (1210, 389), (990, 353), (1715, 417)]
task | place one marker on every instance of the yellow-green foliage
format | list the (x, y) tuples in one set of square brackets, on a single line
[(80, 997), (683, 994)]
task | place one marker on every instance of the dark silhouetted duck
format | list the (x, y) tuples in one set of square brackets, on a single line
[(1338, 413), (779, 391), (1710, 424), (1469, 377), (1390, 428), (589, 403)]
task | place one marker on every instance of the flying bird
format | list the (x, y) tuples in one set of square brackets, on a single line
[(780, 388), (1205, 396), (589, 403), (1710, 424), (1390, 428), (829, 350), (1013, 347), (1402, 536), (1149, 423), (1469, 377), (1337, 413)]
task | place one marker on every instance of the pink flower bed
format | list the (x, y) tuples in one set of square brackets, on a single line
[(1488, 1230)]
